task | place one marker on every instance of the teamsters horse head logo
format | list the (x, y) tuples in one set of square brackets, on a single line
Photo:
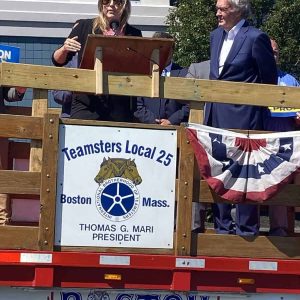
[(118, 167), (117, 197)]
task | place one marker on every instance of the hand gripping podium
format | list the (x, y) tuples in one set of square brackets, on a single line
[(130, 55)]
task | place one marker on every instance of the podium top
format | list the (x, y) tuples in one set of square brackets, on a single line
[(124, 54)]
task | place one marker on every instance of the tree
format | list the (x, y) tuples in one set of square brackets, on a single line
[(283, 26), (260, 9), (190, 24), (192, 21)]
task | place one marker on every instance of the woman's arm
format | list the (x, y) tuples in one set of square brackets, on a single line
[(71, 45)]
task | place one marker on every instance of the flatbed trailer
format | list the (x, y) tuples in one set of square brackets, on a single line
[(140, 272), (35, 264)]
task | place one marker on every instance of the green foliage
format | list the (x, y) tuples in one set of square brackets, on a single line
[(190, 24), (283, 26), (192, 21), (260, 11)]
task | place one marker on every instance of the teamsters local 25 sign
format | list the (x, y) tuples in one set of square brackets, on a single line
[(115, 187)]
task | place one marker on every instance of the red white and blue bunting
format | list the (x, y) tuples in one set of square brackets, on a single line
[(241, 167)]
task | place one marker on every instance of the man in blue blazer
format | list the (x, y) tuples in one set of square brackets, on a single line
[(160, 110), (241, 53)]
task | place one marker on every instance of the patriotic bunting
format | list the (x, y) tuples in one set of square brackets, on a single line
[(242, 167)]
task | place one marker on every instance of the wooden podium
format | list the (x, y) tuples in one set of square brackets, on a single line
[(123, 54)]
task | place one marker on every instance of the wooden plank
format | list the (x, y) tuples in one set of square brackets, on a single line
[(154, 70), (18, 237), (196, 113), (289, 196), (129, 84), (22, 127), (48, 182), (50, 78), (54, 110), (138, 85), (230, 92), (19, 182), (185, 196), (98, 67), (39, 103), (254, 247), (39, 108)]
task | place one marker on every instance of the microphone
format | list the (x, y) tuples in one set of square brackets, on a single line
[(114, 25)]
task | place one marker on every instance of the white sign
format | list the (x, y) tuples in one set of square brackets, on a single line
[(115, 187)]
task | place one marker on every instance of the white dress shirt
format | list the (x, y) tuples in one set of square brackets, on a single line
[(227, 44), (167, 70)]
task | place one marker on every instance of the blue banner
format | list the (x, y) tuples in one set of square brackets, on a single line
[(9, 53)]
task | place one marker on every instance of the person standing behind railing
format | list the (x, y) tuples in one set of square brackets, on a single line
[(279, 214), (163, 111), (240, 53), (112, 20), (8, 94)]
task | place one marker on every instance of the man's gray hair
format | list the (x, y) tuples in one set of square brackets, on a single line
[(242, 6)]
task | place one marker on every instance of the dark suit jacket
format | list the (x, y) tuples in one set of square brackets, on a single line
[(249, 60), (149, 109)]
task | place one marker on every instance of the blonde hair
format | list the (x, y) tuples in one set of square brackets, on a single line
[(101, 23)]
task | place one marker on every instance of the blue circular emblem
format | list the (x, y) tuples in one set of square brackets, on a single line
[(117, 199)]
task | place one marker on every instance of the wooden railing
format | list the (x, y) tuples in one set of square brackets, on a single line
[(42, 129), (194, 189), (40, 181)]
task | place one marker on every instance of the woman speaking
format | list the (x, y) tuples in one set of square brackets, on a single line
[(112, 20)]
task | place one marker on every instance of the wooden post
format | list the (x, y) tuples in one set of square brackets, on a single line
[(185, 196), (155, 73), (39, 108), (48, 182), (196, 113), (98, 67)]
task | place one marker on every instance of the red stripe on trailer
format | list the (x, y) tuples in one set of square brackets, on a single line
[(93, 259), (148, 272), (155, 262), (159, 262), (9, 257)]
